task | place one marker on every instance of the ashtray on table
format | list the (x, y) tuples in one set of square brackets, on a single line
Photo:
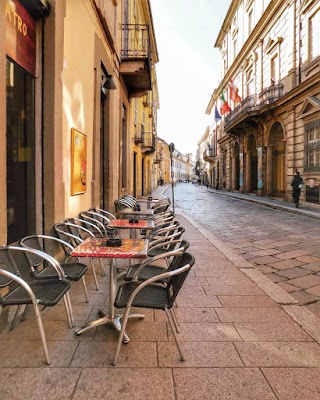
[(113, 242), (133, 221)]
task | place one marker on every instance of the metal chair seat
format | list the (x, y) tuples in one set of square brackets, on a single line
[(48, 293), (73, 270), (149, 297)]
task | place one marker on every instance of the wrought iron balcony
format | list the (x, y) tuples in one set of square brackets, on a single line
[(149, 143), (158, 158), (254, 104), (139, 134), (135, 66), (209, 155)]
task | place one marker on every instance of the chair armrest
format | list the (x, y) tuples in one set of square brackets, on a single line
[(155, 279), (52, 261)]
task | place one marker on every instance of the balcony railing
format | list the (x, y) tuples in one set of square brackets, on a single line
[(209, 154), (135, 65), (255, 103), (135, 42), (149, 142), (139, 134)]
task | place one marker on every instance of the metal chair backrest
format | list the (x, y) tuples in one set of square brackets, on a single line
[(175, 282)]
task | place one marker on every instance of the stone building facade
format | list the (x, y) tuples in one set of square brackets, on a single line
[(270, 53)]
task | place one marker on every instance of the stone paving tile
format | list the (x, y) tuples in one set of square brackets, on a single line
[(230, 281), (275, 277), (221, 383), (314, 290), (198, 354), (233, 290), (125, 383), (294, 273), (292, 254), (190, 315), (207, 332), (271, 332), (275, 315), (38, 383), (100, 354), (309, 259), (264, 269), (285, 264), (263, 260), (247, 301), (279, 354), (315, 266), (303, 297), (306, 282), (29, 353), (198, 301), (266, 252), (314, 308), (287, 287), (294, 383)]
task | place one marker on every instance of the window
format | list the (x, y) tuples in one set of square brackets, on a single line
[(250, 83), (312, 137), (314, 32), (274, 70)]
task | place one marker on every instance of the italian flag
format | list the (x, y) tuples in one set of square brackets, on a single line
[(224, 107)]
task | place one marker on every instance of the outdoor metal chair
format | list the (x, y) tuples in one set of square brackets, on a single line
[(74, 270), (101, 220), (45, 292), (75, 234), (147, 294), (166, 243)]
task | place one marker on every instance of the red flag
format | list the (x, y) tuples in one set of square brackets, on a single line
[(224, 108), (233, 91)]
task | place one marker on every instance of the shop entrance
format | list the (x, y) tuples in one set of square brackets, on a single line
[(20, 153)]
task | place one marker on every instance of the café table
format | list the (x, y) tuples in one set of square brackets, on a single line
[(127, 212), (132, 224), (93, 247)]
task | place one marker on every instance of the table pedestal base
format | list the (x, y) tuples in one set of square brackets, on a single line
[(105, 320)]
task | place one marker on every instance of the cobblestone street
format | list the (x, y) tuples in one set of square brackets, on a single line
[(282, 245)]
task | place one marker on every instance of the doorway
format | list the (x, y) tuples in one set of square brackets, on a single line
[(20, 153)]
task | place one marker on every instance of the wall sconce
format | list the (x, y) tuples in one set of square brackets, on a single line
[(109, 83)]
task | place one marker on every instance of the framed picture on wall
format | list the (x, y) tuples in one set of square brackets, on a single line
[(78, 162)]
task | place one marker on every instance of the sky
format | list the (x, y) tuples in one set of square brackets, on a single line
[(188, 70)]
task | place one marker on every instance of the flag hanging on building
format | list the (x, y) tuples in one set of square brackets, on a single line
[(217, 116), (233, 92), (224, 108)]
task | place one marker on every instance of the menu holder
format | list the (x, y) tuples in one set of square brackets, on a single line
[(113, 243), (133, 221)]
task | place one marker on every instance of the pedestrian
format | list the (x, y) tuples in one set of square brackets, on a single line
[(207, 183), (297, 183), (161, 182)]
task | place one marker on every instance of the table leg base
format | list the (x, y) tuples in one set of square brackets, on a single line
[(115, 322)]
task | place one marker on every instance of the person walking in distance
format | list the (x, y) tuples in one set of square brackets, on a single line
[(296, 184)]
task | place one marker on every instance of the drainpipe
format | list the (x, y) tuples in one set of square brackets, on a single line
[(42, 122)]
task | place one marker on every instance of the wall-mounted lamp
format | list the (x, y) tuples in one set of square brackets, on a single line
[(108, 83)]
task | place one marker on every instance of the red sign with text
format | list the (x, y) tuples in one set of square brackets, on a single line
[(21, 36)]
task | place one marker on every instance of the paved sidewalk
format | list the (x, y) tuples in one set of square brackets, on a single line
[(244, 338)]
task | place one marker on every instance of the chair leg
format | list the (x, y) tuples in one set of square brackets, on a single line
[(101, 266), (94, 274), (175, 320), (13, 323), (42, 334), (174, 334), (68, 307), (84, 284), (123, 328)]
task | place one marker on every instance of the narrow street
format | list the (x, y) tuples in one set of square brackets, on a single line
[(282, 245)]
